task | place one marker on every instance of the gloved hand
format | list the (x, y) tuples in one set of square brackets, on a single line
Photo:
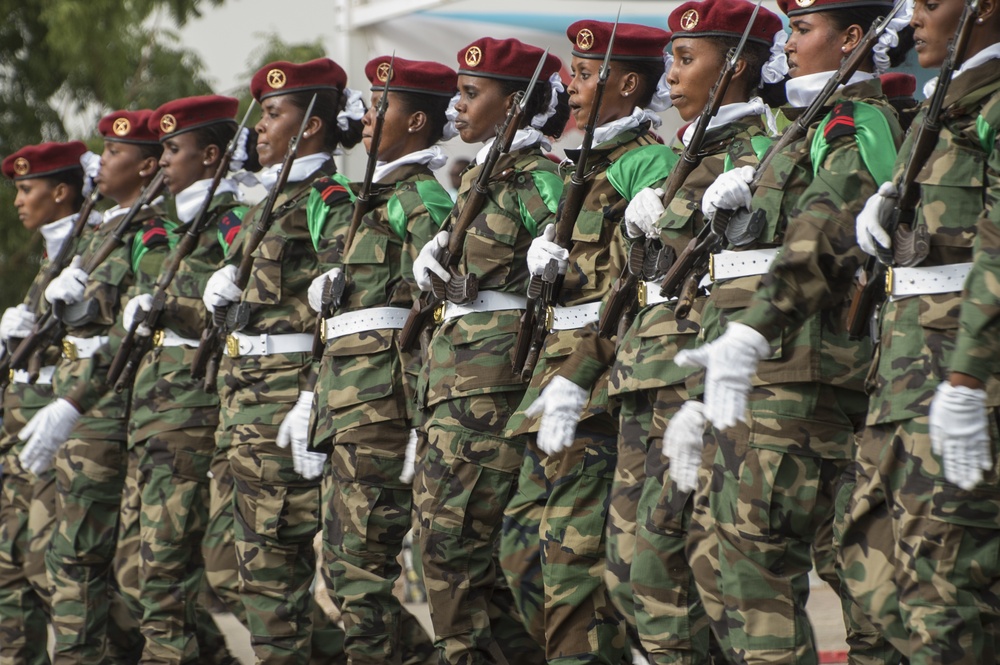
[(427, 262), (960, 434), (221, 289), (872, 221), (560, 406), (410, 459), (730, 191), (44, 433), (17, 323), (318, 286), (544, 249), (683, 443), (69, 285), (642, 213), (729, 363), (294, 429), (142, 302)]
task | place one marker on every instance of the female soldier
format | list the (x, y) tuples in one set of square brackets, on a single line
[(922, 523), (266, 377), (467, 386), (173, 419), (49, 181), (90, 465), (364, 395), (553, 546), (771, 484)]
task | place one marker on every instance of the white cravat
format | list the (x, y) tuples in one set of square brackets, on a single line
[(302, 168), (190, 201), (522, 138), (56, 233), (433, 157), (728, 114), (802, 90), (989, 53)]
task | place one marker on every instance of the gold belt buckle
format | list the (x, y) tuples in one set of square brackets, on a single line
[(711, 267), (550, 317), (232, 346), (641, 294), (158, 336), (10, 378), (888, 281), (70, 351), (322, 331), (439, 314)]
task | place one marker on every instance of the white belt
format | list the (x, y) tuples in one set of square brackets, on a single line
[(730, 265), (81, 348), (44, 375), (575, 317), (170, 338), (239, 344), (901, 282), (487, 301), (648, 293), (362, 320)]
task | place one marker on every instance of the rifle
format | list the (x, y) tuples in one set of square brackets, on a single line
[(237, 315), (134, 346), (52, 270), (910, 242), (50, 328), (333, 290), (681, 280), (622, 297), (464, 288), (543, 290)]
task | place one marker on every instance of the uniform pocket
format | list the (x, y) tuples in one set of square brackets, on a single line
[(265, 283)]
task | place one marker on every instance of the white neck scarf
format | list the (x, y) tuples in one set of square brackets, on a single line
[(728, 114), (433, 157), (114, 213), (802, 90), (991, 52), (56, 233), (302, 168), (522, 138), (190, 201), (615, 128)]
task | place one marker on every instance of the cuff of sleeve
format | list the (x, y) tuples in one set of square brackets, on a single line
[(83, 396), (583, 372), (966, 360), (764, 318)]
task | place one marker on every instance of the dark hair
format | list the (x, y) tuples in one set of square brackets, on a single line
[(649, 72), (865, 18), (329, 103), (432, 106), (755, 55), (150, 151), (72, 178), (538, 103), (220, 134)]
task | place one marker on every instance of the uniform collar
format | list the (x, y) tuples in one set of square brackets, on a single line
[(801, 91)]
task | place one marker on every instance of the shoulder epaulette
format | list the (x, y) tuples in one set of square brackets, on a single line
[(229, 225), (325, 194), (332, 190), (840, 122), (154, 233), (871, 131)]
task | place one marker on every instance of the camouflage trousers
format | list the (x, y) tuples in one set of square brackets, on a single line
[(158, 563), (27, 517), (552, 548), (921, 555), (89, 617), (463, 484), (367, 513), (218, 545), (765, 496)]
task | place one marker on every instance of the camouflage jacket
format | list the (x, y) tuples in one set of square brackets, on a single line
[(596, 258), (130, 268), (810, 196), (472, 354), (924, 337), (310, 222), (165, 397), (645, 353), (363, 378)]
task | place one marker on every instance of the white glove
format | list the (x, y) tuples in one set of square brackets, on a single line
[(221, 289), (427, 262), (560, 405), (69, 285), (17, 323), (145, 303), (870, 226), (960, 434), (544, 249), (44, 433), (318, 286), (294, 429), (729, 363), (682, 445), (730, 191), (410, 459), (645, 208)]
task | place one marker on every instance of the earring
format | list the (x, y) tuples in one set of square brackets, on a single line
[(58, 200), (979, 20), (627, 94), (843, 49)]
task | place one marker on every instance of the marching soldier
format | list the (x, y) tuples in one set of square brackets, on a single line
[(553, 544)]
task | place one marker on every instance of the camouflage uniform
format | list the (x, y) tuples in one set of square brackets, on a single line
[(773, 482), (552, 547), (470, 391), (276, 510), (918, 552), (363, 415)]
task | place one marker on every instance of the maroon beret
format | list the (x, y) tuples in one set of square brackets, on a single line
[(429, 78), (508, 59), (632, 42), (281, 78), (44, 159), (183, 115), (723, 18), (898, 84), (798, 7), (128, 127)]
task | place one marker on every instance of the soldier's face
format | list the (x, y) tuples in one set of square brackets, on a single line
[(279, 123), (582, 89), (119, 177), (814, 45), (481, 108), (183, 162), (934, 23), (36, 203), (395, 129), (695, 69)]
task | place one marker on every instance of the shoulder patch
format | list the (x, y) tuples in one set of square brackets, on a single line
[(840, 122), (229, 226), (331, 191), (154, 233)]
